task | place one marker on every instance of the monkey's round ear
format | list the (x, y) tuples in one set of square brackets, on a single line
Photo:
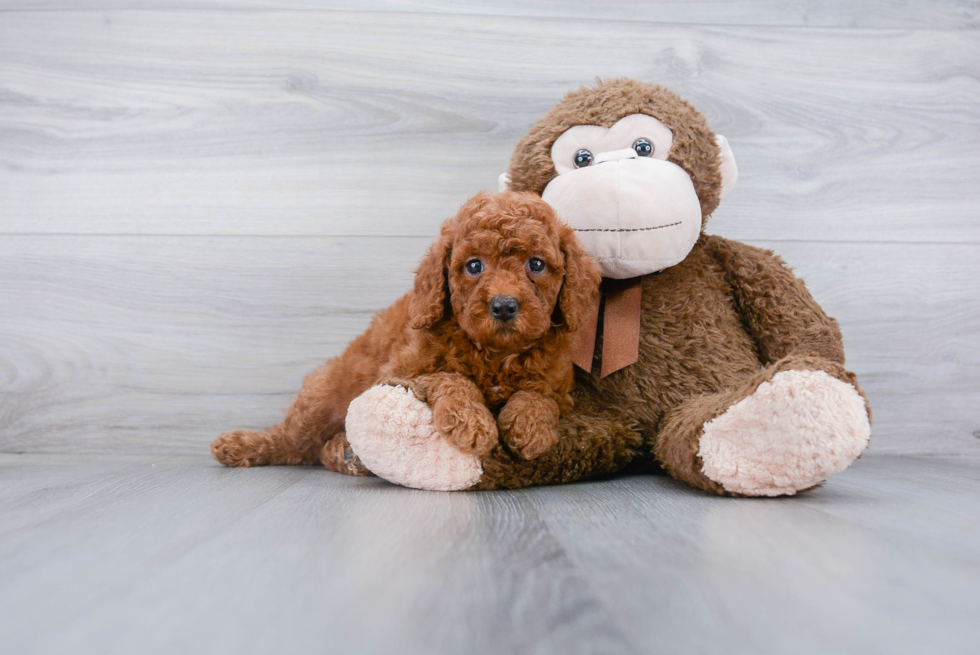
[(726, 166), (503, 182), (427, 303)]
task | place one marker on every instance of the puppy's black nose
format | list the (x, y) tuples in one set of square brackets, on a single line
[(504, 308)]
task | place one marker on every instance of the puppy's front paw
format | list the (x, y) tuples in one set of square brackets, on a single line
[(243, 448), (529, 424), (468, 426)]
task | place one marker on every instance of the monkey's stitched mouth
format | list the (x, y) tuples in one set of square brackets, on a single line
[(625, 229)]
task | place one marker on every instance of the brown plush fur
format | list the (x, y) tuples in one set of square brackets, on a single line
[(713, 328), (442, 341)]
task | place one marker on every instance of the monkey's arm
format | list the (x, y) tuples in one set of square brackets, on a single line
[(784, 320), (792, 424)]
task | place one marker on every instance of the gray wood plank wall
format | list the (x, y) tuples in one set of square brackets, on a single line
[(199, 201)]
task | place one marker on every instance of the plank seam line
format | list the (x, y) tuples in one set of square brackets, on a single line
[(137, 235), (968, 26)]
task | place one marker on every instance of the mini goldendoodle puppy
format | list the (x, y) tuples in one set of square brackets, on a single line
[(484, 331)]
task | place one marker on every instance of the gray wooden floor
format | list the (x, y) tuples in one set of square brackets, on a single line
[(175, 554)]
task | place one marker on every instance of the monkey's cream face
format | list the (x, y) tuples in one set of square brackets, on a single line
[(634, 211)]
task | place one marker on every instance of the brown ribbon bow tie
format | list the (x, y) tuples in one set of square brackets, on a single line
[(620, 327)]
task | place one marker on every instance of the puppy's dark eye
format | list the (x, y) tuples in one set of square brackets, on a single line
[(583, 158), (474, 267), (643, 147), (535, 265)]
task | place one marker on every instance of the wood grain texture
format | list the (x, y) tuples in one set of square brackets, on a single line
[(824, 572), (177, 336), (152, 344), (368, 123), (180, 554), (162, 555), (946, 14), (198, 205)]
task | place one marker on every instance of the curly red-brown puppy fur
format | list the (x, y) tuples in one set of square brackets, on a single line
[(485, 329)]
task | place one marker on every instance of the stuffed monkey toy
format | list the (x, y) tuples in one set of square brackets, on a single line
[(706, 357)]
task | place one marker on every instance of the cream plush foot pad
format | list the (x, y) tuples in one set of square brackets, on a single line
[(795, 431), (391, 431)]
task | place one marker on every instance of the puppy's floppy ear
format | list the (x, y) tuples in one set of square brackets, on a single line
[(580, 290), (427, 304)]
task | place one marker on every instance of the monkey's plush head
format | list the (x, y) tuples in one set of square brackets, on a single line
[(631, 167)]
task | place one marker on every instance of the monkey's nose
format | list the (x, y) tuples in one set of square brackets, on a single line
[(614, 155), (504, 308)]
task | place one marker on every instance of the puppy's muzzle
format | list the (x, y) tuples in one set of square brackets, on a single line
[(504, 308)]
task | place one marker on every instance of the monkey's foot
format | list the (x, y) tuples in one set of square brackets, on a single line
[(792, 433), (392, 433)]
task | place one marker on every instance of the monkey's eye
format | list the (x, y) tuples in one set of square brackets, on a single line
[(583, 158), (474, 267), (536, 265), (643, 147)]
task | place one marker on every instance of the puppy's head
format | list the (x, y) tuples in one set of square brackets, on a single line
[(507, 270)]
